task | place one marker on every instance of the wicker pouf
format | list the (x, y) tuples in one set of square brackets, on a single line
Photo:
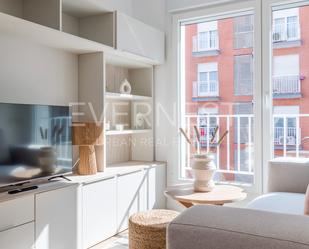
[(147, 230)]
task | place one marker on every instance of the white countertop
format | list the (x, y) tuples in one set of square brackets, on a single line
[(111, 171)]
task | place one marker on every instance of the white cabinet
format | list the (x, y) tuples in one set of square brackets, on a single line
[(16, 212), (138, 38), (56, 224), (99, 211), (20, 237), (130, 193)]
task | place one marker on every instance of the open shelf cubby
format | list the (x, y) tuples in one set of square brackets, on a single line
[(44, 12), (93, 23), (132, 141)]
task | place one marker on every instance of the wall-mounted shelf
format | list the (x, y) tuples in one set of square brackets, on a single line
[(126, 132), (119, 96)]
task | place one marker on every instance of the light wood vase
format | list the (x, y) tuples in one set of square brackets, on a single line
[(89, 137), (203, 168), (87, 163), (99, 152)]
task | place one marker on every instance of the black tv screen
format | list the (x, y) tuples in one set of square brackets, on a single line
[(35, 142)]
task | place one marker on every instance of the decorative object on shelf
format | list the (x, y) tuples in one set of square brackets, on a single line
[(139, 121), (203, 168), (125, 87), (89, 137), (47, 159), (119, 127)]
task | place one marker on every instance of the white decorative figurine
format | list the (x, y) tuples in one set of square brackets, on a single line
[(125, 87)]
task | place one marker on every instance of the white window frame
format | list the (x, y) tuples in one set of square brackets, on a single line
[(267, 67), (212, 13)]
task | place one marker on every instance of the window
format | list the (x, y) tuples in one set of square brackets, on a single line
[(286, 25), (243, 32), (207, 84), (212, 80), (264, 100), (207, 37), (290, 100), (243, 75)]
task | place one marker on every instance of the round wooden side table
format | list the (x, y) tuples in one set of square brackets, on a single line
[(220, 195)]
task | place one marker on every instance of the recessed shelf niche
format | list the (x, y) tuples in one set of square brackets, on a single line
[(44, 12), (91, 23)]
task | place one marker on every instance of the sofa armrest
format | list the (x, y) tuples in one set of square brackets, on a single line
[(213, 227), (288, 175)]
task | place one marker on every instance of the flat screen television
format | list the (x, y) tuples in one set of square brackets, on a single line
[(35, 142)]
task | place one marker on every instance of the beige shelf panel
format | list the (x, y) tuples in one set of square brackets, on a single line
[(120, 96), (127, 132)]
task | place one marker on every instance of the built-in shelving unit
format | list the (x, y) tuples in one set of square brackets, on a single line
[(111, 48)]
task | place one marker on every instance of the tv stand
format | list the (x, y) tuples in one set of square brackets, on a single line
[(61, 176)]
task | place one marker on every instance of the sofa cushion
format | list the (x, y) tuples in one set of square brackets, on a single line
[(212, 227), (288, 174), (288, 203)]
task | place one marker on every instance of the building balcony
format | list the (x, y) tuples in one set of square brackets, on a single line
[(209, 47), (285, 136), (287, 86), (205, 91)]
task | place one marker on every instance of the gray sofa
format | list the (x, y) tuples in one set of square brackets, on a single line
[(272, 221)]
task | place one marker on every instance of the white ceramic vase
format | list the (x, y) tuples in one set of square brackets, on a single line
[(203, 168)]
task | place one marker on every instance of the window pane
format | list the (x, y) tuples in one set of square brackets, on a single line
[(210, 81), (290, 99)]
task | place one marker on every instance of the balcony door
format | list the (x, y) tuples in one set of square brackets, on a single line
[(220, 90), (285, 77)]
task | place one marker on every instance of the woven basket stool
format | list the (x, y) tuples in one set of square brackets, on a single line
[(147, 230)]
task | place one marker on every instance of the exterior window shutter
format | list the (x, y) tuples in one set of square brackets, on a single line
[(243, 75), (243, 32)]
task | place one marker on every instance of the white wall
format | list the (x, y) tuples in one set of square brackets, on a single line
[(124, 6), (152, 12), (33, 74)]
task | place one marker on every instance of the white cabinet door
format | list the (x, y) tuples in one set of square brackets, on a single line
[(57, 219), (156, 187), (138, 38), (99, 211), (21, 237), (130, 196), (16, 212)]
